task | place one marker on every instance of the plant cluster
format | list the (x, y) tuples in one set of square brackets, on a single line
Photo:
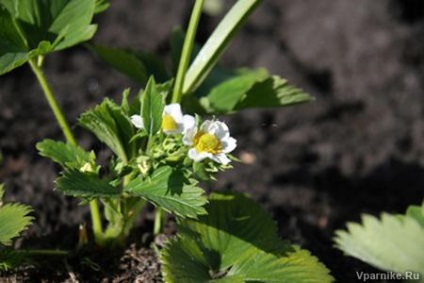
[(164, 140)]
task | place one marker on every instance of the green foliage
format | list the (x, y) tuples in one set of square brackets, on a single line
[(273, 92), (67, 155), (101, 6), (151, 108), (392, 243), (417, 213), (33, 28), (236, 242), (216, 43), (85, 184), (169, 189), (227, 95), (252, 89), (13, 219), (137, 65), (225, 91), (9, 258), (111, 126)]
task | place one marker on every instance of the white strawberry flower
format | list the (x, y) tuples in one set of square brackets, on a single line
[(173, 120), (137, 121), (212, 140)]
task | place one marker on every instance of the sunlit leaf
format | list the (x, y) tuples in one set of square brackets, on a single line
[(85, 184), (226, 96), (392, 243), (252, 89), (236, 242), (65, 154), (13, 220), (111, 126), (33, 28), (101, 6), (170, 190)]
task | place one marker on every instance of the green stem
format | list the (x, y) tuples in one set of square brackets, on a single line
[(43, 252), (96, 220), (186, 52), (48, 93), (157, 226)]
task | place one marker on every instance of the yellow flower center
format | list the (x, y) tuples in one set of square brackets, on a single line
[(168, 123), (204, 142)]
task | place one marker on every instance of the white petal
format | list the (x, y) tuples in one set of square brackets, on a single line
[(221, 158), (174, 110), (229, 145), (189, 136), (198, 156), (207, 126), (189, 122), (222, 131), (137, 121)]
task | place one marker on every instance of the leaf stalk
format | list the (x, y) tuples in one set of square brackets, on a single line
[(67, 132), (187, 50)]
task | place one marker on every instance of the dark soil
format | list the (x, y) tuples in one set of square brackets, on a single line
[(358, 148)]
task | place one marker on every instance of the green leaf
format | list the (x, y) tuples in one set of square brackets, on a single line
[(67, 155), (1, 193), (101, 6), (111, 126), (416, 212), (391, 243), (33, 28), (236, 242), (10, 259), (13, 220), (123, 61), (226, 96), (170, 190), (216, 44), (13, 50), (152, 108), (217, 75), (136, 65), (84, 184), (252, 89), (273, 92)]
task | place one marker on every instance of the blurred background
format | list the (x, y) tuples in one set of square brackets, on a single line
[(358, 148)]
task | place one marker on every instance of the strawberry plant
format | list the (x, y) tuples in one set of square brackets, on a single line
[(164, 140)]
